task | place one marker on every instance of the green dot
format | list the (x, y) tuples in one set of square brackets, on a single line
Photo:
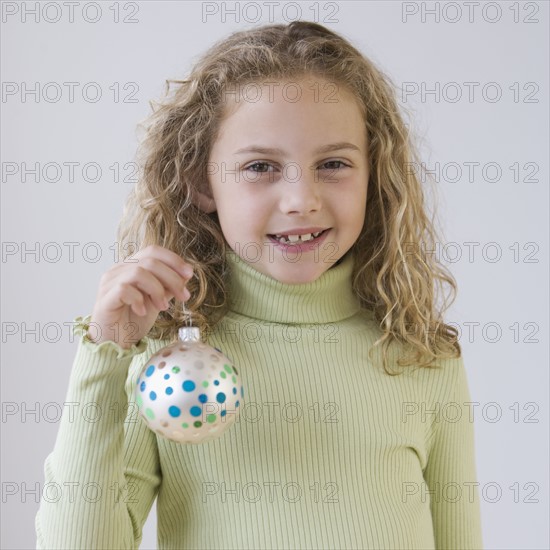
[(185, 425), (223, 375), (197, 424), (139, 401), (150, 414), (205, 384), (234, 378), (211, 418), (175, 369), (227, 368)]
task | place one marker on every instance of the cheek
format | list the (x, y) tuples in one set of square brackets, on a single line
[(354, 212), (349, 202), (239, 223), (249, 210)]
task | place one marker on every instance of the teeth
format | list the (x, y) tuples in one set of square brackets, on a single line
[(297, 238)]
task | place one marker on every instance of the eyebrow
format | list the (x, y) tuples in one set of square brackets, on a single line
[(274, 151)]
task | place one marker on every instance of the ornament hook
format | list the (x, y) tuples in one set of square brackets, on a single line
[(188, 333)]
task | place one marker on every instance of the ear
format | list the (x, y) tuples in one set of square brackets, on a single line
[(204, 202)]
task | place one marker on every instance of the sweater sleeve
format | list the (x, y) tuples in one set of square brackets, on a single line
[(103, 474), (450, 473)]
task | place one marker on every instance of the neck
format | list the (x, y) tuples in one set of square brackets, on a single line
[(329, 298)]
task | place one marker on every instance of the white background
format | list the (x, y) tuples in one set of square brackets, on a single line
[(503, 43)]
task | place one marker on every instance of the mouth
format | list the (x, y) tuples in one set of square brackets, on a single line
[(294, 240)]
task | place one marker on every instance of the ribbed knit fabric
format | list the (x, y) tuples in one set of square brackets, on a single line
[(329, 451)]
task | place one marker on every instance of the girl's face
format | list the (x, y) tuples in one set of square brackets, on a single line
[(290, 159)]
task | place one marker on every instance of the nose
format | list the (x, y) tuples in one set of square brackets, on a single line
[(301, 195)]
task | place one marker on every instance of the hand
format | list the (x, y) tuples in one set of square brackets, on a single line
[(131, 295)]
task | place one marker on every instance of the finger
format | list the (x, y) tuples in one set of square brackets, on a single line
[(173, 284), (171, 259), (146, 284), (126, 295)]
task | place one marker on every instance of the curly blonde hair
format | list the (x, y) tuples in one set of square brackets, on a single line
[(392, 277)]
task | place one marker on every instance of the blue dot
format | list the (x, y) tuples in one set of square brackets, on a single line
[(236, 404), (174, 411), (166, 376), (203, 398), (216, 382), (169, 391), (142, 387), (223, 413), (188, 385), (153, 396), (195, 411), (220, 397), (150, 370), (234, 391)]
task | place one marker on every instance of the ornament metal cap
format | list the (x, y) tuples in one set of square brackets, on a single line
[(189, 334)]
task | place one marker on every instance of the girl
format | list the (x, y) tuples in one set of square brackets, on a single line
[(278, 202)]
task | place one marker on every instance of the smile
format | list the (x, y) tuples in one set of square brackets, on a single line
[(297, 239), (301, 243)]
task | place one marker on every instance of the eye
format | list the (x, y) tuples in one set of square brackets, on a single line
[(335, 162), (256, 164)]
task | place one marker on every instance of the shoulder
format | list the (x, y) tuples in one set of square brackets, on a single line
[(445, 389), (444, 380)]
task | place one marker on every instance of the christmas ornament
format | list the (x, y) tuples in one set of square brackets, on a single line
[(189, 392)]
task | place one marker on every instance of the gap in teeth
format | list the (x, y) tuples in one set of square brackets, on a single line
[(297, 238)]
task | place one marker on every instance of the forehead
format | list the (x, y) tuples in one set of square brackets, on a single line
[(307, 103), (290, 90)]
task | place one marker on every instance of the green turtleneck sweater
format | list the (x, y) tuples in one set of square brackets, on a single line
[(329, 451)]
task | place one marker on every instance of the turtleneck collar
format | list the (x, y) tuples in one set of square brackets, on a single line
[(328, 299)]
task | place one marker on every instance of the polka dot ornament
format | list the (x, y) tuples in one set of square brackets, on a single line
[(189, 392)]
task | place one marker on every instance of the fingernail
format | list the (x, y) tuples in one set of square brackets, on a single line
[(187, 272)]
